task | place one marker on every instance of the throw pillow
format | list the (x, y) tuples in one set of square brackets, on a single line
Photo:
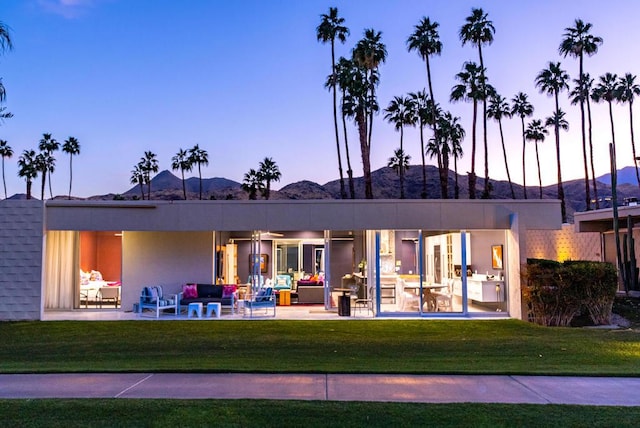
[(228, 290), (190, 291)]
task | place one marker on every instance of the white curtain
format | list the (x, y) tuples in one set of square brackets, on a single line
[(62, 270)]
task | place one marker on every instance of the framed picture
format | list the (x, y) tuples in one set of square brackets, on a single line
[(496, 256), (262, 259)]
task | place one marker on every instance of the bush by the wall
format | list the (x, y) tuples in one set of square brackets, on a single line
[(556, 292)]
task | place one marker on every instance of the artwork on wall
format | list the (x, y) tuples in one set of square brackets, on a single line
[(496, 256), (262, 259)]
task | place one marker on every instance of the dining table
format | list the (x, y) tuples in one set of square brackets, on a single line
[(428, 296)]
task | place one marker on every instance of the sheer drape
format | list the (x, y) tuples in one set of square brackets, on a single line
[(61, 270)]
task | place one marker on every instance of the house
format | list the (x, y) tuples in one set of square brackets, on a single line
[(422, 258)]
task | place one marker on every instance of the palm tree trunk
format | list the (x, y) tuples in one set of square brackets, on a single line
[(633, 141), (352, 189), (4, 182), (539, 171), (401, 166), (373, 96), (593, 171), (423, 194), (184, 185), (584, 140), (434, 125), (506, 164), (200, 179), (563, 208), (364, 149), (70, 173), (486, 193), (50, 190), (456, 189), (343, 192), (443, 172), (524, 173), (142, 190), (28, 189), (472, 174), (44, 184)]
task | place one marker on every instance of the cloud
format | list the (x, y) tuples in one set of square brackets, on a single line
[(69, 9)]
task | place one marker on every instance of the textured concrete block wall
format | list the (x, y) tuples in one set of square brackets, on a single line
[(564, 244), (21, 241)]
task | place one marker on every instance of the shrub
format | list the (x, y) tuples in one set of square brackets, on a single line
[(556, 292)]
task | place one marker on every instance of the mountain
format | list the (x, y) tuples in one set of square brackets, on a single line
[(167, 186), (624, 175)]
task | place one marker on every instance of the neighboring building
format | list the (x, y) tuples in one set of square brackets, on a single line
[(423, 258)]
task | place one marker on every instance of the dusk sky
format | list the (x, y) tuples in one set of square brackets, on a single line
[(245, 80)]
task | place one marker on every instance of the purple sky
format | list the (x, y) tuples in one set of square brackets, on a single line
[(244, 79)]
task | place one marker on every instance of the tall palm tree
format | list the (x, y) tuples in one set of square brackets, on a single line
[(399, 162), (6, 152), (478, 30), (581, 92), (553, 80), (198, 156), (369, 53), (344, 76), (522, 108), (252, 183), (182, 161), (138, 178), (423, 112), (328, 31), (5, 38), (498, 108), (71, 147), (400, 113), (536, 132), (426, 41), (45, 163), (470, 88), (577, 42), (149, 164), (47, 146), (447, 144), (628, 89), (456, 135), (268, 172), (27, 168), (356, 104), (557, 121), (608, 90)]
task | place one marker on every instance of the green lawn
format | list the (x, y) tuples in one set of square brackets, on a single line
[(342, 346), (309, 414)]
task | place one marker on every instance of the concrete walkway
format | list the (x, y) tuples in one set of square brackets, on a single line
[(605, 391)]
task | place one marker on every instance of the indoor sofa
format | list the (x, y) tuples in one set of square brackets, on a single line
[(310, 291), (225, 294)]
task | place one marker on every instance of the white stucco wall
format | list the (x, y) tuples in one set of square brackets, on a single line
[(169, 259), (21, 249)]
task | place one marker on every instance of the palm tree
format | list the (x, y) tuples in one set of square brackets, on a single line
[(608, 90), (27, 168), (400, 112), (478, 31), (456, 136), (450, 135), (628, 89), (6, 152), (426, 41), (268, 172), (138, 178), (182, 161), (582, 93), (470, 89), (498, 108), (557, 121), (5, 38), (577, 42), (553, 80), (523, 108), (399, 162), (329, 30), (344, 77), (3, 92), (369, 53), (536, 132), (47, 146), (148, 164), (71, 147), (252, 183), (198, 156), (356, 104), (422, 107)]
